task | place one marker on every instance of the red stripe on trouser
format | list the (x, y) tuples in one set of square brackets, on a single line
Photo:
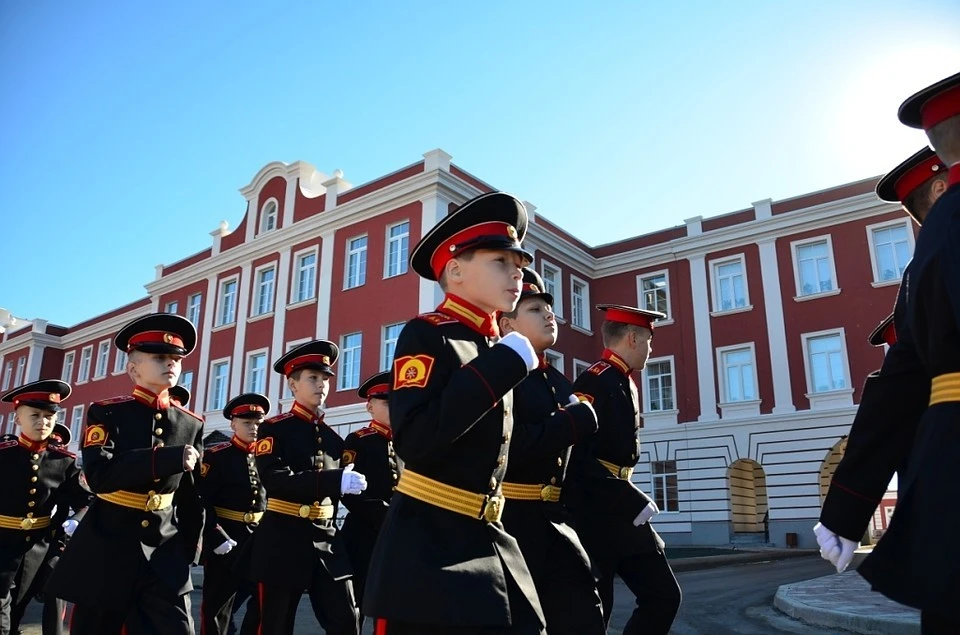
[(123, 630), (380, 627), (73, 612), (260, 594)]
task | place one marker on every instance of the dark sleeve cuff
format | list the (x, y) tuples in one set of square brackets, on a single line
[(846, 513)]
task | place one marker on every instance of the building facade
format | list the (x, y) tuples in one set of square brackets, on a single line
[(749, 392)]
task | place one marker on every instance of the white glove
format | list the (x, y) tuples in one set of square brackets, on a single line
[(520, 345), (226, 547), (70, 526), (352, 482), (835, 549), (648, 512)]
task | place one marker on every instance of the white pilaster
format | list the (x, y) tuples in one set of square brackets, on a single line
[(240, 332), (289, 201), (434, 209), (274, 380), (251, 229), (706, 377), (776, 331), (218, 233), (325, 292), (206, 324), (436, 160), (334, 186)]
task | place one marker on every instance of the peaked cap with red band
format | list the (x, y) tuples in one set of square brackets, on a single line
[(631, 315), (45, 394), (495, 220), (61, 433), (885, 333), (161, 333), (932, 105), (318, 355), (533, 287), (901, 181), (377, 386), (179, 394), (249, 405)]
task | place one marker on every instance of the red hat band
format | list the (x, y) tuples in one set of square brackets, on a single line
[(940, 107), (916, 176), (245, 408), (629, 317), (154, 337), (51, 397), (448, 248), (378, 390), (303, 360)]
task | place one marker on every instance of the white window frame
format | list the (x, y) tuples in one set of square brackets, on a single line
[(346, 263), (190, 309), (557, 292), (173, 304), (262, 224), (388, 240), (840, 397), (76, 421), (714, 287), (211, 392), (66, 372), (385, 362), (188, 386), (120, 362), (248, 370), (285, 393), (21, 371), (555, 358), (220, 323), (578, 367), (84, 377), (654, 274), (7, 375), (297, 272), (103, 355), (874, 265), (585, 327), (255, 311), (737, 409), (11, 426), (798, 283), (343, 377), (659, 418), (653, 485)]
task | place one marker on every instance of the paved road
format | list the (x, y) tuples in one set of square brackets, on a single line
[(736, 600)]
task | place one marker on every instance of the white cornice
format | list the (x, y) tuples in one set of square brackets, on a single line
[(102, 328), (308, 176), (561, 249)]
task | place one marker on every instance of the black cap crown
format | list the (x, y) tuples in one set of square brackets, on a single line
[(249, 405), (377, 386), (533, 286), (179, 394), (319, 355), (45, 394), (162, 333)]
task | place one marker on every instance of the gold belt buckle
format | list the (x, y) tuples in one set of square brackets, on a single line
[(626, 473), (548, 492), (153, 502), (304, 511), (492, 509), (248, 517), (27, 523)]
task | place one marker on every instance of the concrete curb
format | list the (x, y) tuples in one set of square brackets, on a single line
[(847, 607), (743, 557)]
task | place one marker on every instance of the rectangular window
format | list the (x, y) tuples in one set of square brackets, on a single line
[(739, 374), (398, 248), (579, 367), (67, 374), (554, 359), (172, 307), (228, 302), (264, 291), (21, 369), (665, 485), (103, 358), (813, 264), (826, 363), (892, 247), (356, 262), (186, 380), (76, 422), (193, 309), (306, 278), (219, 384), (654, 292), (257, 373), (659, 386), (579, 303), (120, 363), (729, 285), (85, 355), (350, 346), (390, 334), (7, 374), (11, 427), (551, 283)]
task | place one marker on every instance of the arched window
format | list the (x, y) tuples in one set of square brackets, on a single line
[(268, 216)]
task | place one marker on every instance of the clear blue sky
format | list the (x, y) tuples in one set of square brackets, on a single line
[(126, 128)]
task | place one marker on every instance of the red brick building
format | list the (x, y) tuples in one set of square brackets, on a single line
[(751, 386)]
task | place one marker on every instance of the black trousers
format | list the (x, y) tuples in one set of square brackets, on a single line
[(156, 610), (332, 600), (406, 628), (931, 624), (54, 609), (651, 580), (567, 591), (220, 591)]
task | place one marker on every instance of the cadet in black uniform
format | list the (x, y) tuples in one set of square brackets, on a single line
[(234, 500), (913, 563), (296, 547), (370, 451), (547, 420), (128, 563), (443, 562), (612, 513), (37, 475), (882, 433)]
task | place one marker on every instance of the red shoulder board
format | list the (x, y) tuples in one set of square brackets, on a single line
[(62, 449), (599, 367), (113, 400), (365, 432), (217, 447), (436, 318), (9, 441), (189, 412), (279, 417)]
